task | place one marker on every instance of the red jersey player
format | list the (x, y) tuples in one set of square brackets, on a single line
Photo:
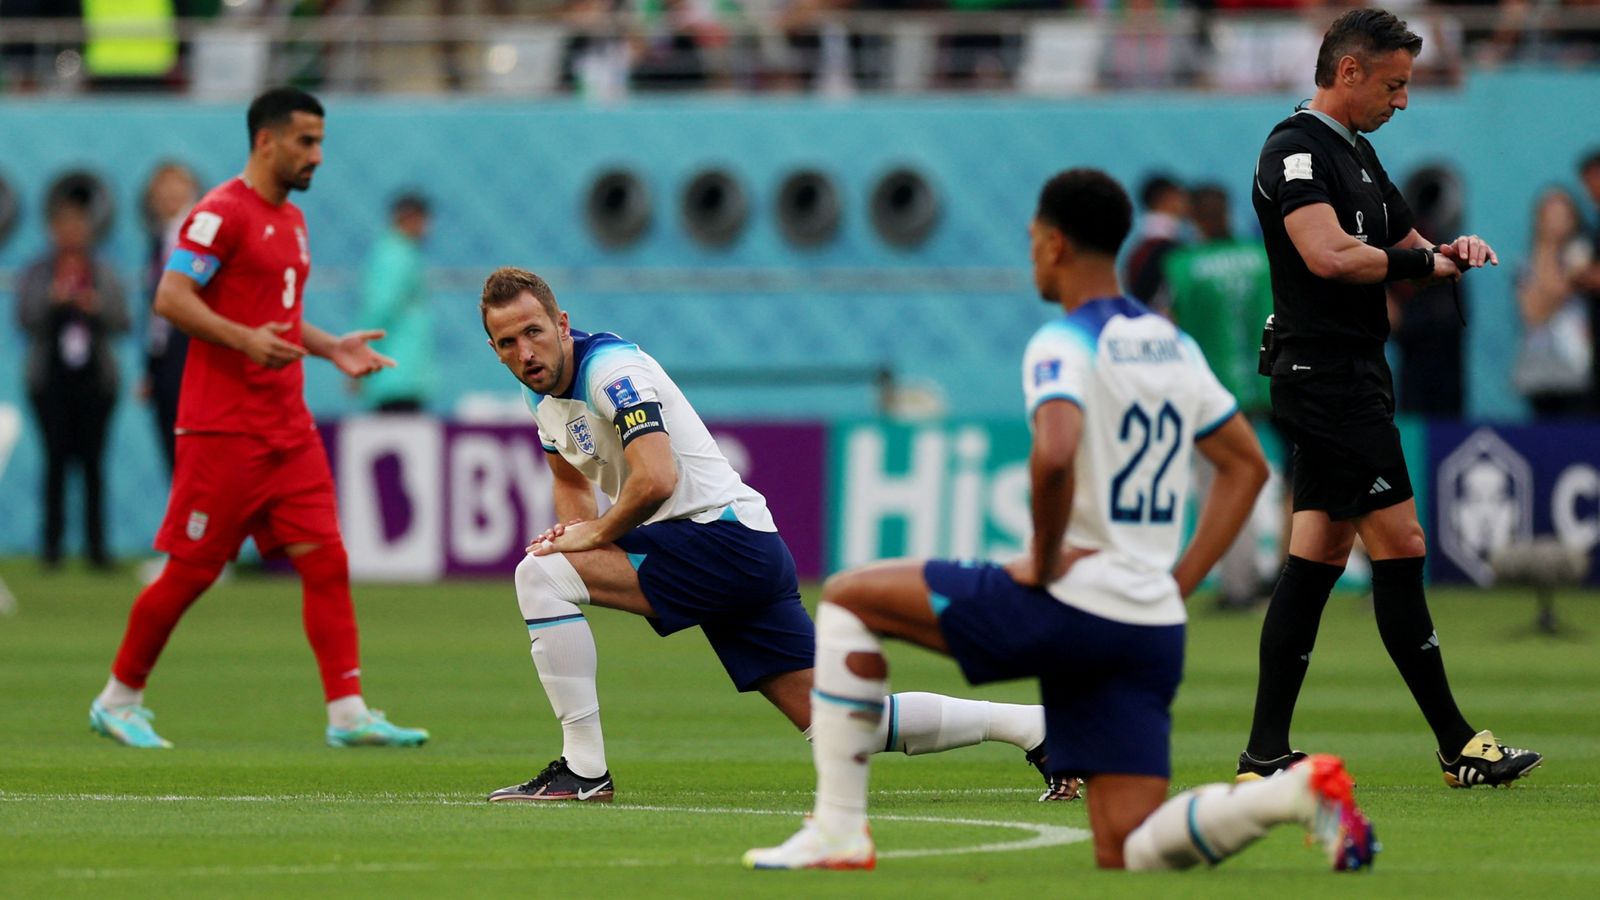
[(249, 463)]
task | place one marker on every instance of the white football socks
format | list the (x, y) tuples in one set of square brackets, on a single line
[(1215, 821), (918, 722), (347, 712), (846, 714), (118, 694), (549, 590)]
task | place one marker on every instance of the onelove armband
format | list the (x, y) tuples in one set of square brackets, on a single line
[(1408, 263)]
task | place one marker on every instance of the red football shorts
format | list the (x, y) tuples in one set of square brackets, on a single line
[(227, 487)]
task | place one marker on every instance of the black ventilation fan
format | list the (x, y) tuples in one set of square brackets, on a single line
[(618, 208), (905, 208), (8, 209), (808, 208), (715, 208)]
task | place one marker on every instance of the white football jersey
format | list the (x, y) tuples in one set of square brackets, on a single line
[(1147, 395), (612, 376)]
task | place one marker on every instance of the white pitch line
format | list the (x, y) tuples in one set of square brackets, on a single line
[(1041, 835)]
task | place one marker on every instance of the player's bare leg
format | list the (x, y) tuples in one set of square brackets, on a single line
[(850, 707)]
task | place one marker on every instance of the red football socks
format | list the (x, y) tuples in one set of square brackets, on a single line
[(155, 613), (330, 618)]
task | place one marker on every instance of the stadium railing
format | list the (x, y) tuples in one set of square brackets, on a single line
[(836, 52)]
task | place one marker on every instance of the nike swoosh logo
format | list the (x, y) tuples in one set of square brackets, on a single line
[(584, 795)]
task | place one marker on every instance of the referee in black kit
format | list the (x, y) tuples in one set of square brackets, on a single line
[(1336, 230)]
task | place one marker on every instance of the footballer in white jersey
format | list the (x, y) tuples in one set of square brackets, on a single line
[(588, 425), (1146, 395), (685, 543), (1117, 398)]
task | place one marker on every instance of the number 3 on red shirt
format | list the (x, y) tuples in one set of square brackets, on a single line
[(288, 288)]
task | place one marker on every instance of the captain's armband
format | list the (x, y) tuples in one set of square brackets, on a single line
[(639, 420)]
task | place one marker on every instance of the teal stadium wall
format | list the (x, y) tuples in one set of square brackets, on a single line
[(509, 179)]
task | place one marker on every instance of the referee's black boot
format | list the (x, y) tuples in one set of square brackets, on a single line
[(1251, 769), (1487, 761)]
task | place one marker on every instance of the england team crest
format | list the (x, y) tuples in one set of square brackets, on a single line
[(579, 429), (196, 529)]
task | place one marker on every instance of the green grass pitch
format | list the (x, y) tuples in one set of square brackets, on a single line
[(252, 803)]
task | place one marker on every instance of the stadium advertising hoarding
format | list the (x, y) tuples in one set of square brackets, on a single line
[(1502, 485), (422, 499), (955, 489)]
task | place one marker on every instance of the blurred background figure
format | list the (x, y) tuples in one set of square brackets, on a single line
[(1556, 359), (1588, 278), (1163, 211), (70, 306), (394, 297), (168, 196), (1220, 290), (1427, 325)]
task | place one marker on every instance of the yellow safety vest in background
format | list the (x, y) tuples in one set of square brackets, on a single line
[(129, 38)]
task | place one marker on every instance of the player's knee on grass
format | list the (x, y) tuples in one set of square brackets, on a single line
[(1108, 850)]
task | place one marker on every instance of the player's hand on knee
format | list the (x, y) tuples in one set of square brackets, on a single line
[(573, 537)]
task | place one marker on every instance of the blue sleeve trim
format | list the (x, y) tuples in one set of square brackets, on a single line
[(1054, 395), (200, 267), (1198, 839), (1207, 431)]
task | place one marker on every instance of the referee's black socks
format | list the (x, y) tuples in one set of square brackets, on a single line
[(1287, 636), (1408, 635)]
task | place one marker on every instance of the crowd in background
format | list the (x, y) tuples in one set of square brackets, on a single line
[(1557, 279), (608, 47), (73, 310)]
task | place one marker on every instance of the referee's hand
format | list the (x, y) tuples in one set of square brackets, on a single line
[(1469, 252)]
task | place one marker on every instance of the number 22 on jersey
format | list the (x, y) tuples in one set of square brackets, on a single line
[(1133, 501)]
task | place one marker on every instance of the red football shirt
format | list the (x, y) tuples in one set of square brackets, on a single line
[(251, 259)]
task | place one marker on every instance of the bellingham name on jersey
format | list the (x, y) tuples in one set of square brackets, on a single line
[(616, 385), (1147, 395)]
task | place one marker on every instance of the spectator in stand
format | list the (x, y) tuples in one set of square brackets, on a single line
[(168, 197), (1427, 327), (70, 305), (1146, 48), (1588, 279), (394, 299), (1220, 290), (1164, 206), (1555, 361)]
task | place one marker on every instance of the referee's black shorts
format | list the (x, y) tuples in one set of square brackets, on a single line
[(1339, 416)]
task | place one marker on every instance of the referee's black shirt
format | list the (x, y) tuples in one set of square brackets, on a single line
[(1311, 159)]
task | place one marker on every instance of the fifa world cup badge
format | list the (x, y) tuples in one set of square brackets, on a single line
[(196, 529)]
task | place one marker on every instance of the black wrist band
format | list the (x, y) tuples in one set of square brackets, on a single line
[(1408, 263)]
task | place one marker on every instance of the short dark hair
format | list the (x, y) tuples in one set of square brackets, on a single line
[(1208, 206), (1089, 207), (1363, 33), (410, 202), (1591, 160), (506, 284), (1155, 187), (276, 107)]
